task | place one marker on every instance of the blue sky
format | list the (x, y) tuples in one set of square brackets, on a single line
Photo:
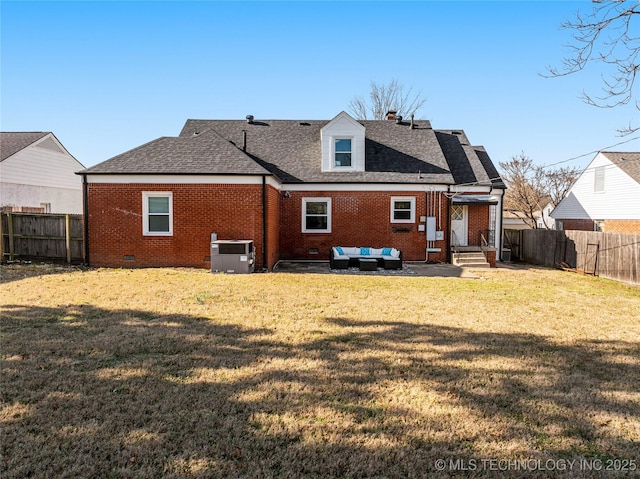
[(106, 77)]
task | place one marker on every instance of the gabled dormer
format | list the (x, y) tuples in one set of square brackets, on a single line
[(342, 144)]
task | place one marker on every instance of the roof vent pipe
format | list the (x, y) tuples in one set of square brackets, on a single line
[(412, 124), (398, 119), (250, 119)]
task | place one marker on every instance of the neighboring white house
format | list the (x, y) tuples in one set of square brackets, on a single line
[(606, 196), (37, 173)]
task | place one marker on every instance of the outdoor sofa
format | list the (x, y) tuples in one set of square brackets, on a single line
[(343, 257)]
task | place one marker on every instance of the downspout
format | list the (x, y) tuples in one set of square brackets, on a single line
[(85, 211), (448, 224), (264, 223), (499, 245)]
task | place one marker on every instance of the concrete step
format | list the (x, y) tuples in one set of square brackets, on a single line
[(474, 265), (470, 260)]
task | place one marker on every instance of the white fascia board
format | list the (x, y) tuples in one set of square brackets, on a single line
[(361, 187), (183, 179)]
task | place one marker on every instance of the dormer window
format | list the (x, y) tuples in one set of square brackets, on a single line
[(342, 144), (342, 152)]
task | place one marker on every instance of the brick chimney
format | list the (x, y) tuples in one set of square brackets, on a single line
[(391, 115)]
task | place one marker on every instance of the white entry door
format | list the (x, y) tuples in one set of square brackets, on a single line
[(459, 225)]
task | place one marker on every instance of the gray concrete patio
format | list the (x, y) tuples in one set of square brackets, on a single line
[(409, 269)]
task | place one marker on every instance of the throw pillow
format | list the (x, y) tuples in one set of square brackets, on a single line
[(386, 251), (365, 251), (339, 250)]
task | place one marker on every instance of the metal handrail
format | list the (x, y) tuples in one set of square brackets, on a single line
[(484, 245), (456, 243)]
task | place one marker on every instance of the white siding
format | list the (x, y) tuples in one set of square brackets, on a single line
[(61, 200), (619, 199), (42, 174)]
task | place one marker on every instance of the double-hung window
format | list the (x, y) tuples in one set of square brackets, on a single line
[(316, 215), (342, 152), (157, 213), (403, 210)]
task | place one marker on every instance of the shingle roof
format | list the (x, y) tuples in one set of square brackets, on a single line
[(206, 153), (12, 142), (291, 150), (627, 161)]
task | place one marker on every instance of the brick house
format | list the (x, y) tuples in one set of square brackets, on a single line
[(606, 196), (296, 188)]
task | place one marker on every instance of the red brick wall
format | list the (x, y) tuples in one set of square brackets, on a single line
[(231, 211), (358, 219), (581, 225), (622, 226)]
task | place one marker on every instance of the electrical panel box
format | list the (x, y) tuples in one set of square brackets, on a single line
[(431, 228), (232, 256)]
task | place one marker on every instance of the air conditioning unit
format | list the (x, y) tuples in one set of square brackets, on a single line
[(232, 256)]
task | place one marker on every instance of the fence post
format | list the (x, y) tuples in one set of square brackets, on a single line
[(10, 230), (67, 236)]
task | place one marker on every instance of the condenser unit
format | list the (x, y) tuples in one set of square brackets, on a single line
[(232, 256)]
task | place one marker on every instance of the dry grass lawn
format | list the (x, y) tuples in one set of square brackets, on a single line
[(180, 373)]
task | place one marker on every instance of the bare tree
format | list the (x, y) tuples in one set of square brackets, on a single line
[(559, 182), (607, 38), (383, 98), (530, 187)]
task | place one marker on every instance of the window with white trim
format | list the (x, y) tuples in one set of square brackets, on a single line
[(403, 209), (157, 213), (342, 152), (316, 215)]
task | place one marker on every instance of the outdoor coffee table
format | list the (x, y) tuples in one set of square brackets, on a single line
[(368, 264)]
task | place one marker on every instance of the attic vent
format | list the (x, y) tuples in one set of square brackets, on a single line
[(398, 119), (304, 123), (456, 132), (250, 119)]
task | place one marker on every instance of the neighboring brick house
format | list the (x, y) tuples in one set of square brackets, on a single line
[(295, 188), (606, 196), (37, 174)]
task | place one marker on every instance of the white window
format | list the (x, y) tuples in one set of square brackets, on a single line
[(598, 180), (403, 210), (342, 152), (157, 213), (316, 215)]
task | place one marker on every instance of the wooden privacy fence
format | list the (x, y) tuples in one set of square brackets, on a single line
[(610, 255), (54, 237)]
